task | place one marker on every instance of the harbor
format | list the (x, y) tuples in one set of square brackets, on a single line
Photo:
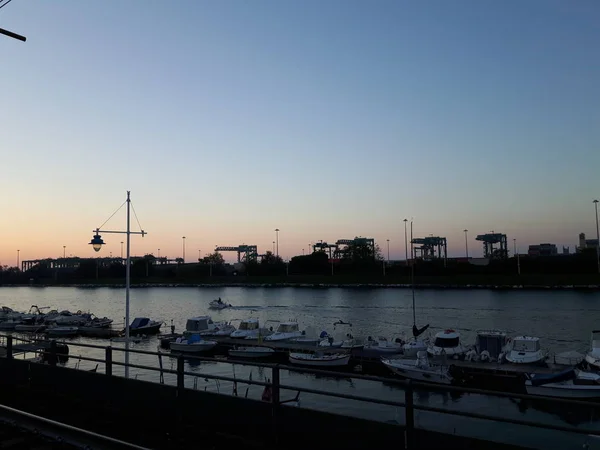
[(219, 372)]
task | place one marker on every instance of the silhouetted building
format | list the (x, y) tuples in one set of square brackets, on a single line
[(586, 243), (542, 250)]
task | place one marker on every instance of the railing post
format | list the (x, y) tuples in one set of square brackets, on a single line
[(9, 347), (108, 361), (53, 354), (410, 416), (275, 402), (180, 379)]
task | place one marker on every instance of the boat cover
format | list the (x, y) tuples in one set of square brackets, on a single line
[(539, 379), (140, 322)]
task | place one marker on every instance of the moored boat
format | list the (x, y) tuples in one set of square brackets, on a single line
[(251, 352), (526, 350), (419, 369), (62, 331), (285, 330), (570, 383), (320, 359), (193, 344), (144, 325), (447, 343)]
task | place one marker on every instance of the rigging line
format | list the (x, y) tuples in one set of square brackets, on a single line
[(4, 4), (112, 214), (136, 217)]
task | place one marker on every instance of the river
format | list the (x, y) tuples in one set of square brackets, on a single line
[(562, 319)]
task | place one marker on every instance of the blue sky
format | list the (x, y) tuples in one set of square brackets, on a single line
[(326, 119)]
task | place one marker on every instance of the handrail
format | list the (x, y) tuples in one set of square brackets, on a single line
[(407, 385), (51, 428)]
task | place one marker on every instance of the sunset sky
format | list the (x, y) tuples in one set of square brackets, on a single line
[(325, 119)]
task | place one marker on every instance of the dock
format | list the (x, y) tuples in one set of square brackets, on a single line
[(167, 416)]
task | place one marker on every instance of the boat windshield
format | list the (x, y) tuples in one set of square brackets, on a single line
[(248, 326), (447, 342), (526, 346), (196, 325), (287, 328)]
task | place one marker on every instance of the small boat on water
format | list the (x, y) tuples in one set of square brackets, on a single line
[(251, 352), (419, 369), (526, 350), (285, 330), (218, 304), (30, 328), (593, 356), (320, 359), (447, 343), (382, 346), (490, 345), (570, 383), (9, 324), (62, 331), (144, 325), (193, 344), (248, 329)]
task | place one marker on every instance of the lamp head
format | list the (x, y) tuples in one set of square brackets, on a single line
[(97, 242)]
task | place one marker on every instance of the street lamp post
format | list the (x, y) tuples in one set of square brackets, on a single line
[(159, 253), (18, 257), (183, 245), (97, 242), (277, 239), (64, 251), (518, 258), (199, 257), (273, 247), (597, 236), (388, 245), (405, 241), (466, 243), (121, 249)]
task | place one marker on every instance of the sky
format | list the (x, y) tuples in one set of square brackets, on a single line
[(326, 119)]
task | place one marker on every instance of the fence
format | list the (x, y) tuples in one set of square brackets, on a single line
[(276, 386)]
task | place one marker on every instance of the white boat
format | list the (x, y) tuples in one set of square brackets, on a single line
[(320, 359), (447, 343), (202, 325), (218, 304), (490, 345), (62, 331), (382, 346), (285, 330), (526, 350), (593, 356), (248, 329), (193, 344), (251, 352), (339, 340), (413, 346), (571, 383), (419, 369)]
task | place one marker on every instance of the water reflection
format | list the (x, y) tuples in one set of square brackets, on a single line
[(570, 414)]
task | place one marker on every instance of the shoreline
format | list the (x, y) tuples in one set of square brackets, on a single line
[(432, 286)]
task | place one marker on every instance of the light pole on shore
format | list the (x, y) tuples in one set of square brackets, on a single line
[(597, 236), (64, 251), (466, 243), (183, 245), (388, 249), (277, 240), (97, 242), (405, 241)]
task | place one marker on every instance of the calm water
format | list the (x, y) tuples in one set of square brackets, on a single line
[(562, 319)]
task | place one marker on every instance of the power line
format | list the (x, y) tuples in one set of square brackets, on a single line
[(5, 3)]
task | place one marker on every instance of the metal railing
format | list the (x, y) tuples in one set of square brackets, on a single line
[(276, 386)]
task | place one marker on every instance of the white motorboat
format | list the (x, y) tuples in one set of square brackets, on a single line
[(447, 343), (320, 359), (571, 383), (285, 330), (593, 356), (381, 345), (202, 325), (62, 331), (218, 304), (345, 341), (251, 352), (193, 344), (419, 369), (67, 318), (413, 346), (491, 345), (248, 329), (525, 350)]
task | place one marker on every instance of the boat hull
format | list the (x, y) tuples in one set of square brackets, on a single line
[(153, 329), (411, 372), (251, 352), (563, 390), (194, 347), (302, 359)]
